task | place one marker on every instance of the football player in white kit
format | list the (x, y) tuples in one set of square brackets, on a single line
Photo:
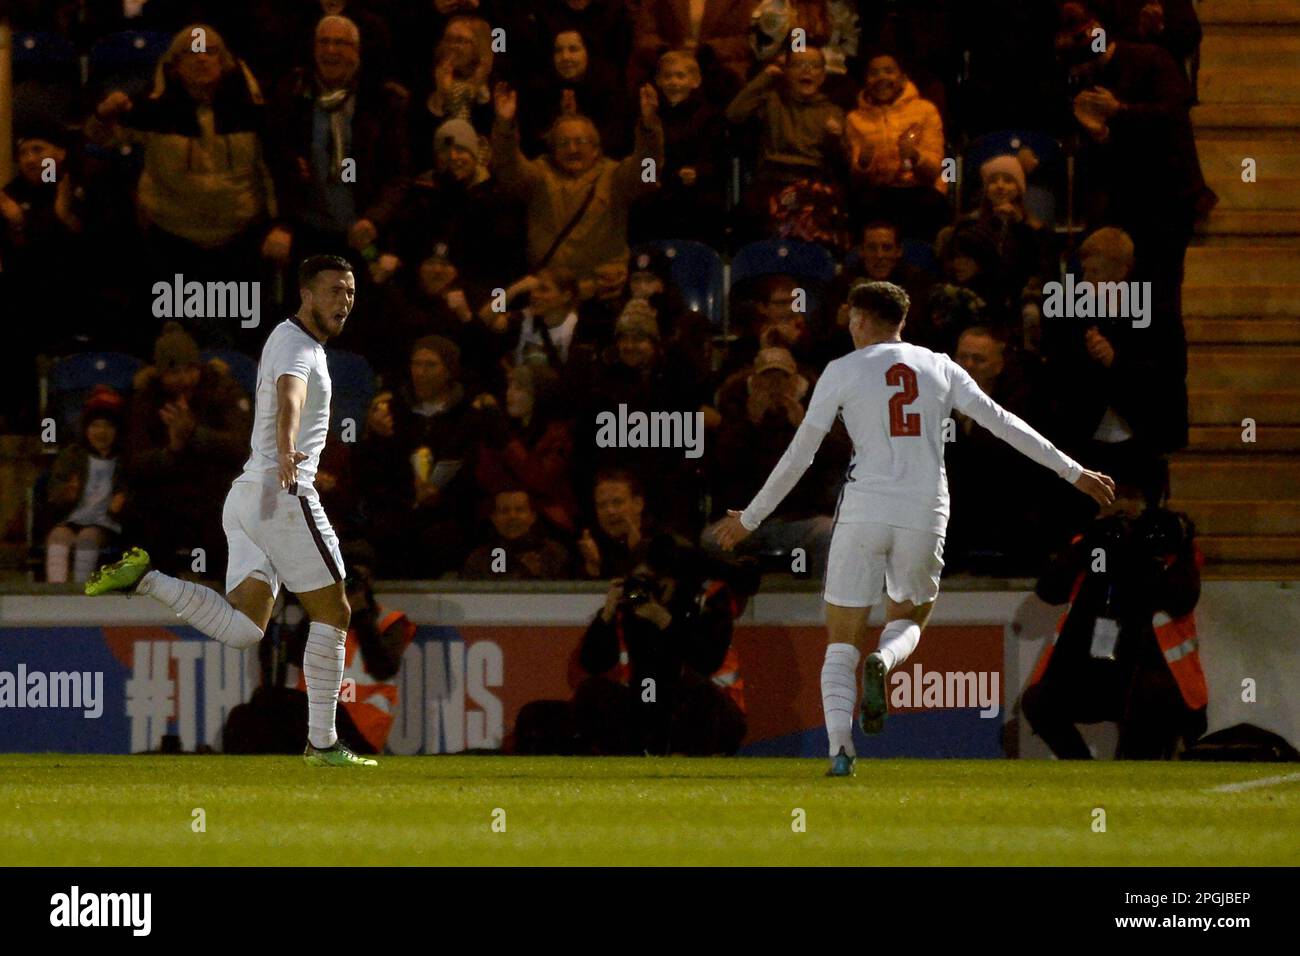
[(889, 526), (275, 527)]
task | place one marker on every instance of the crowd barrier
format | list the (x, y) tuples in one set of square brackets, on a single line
[(115, 675)]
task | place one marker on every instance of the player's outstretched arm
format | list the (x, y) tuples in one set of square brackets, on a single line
[(969, 398), (798, 456)]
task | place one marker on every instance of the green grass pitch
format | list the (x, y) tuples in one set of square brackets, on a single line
[(92, 810)]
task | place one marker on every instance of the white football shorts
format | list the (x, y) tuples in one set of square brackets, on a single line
[(865, 558), (279, 537)]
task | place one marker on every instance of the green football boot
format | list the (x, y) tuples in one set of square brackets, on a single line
[(336, 756), (121, 575), (875, 705)]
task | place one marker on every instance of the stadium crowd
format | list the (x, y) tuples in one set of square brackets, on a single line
[(520, 186)]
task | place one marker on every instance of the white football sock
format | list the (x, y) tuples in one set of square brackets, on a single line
[(840, 695), (202, 608), (897, 641), (322, 666), (84, 561), (56, 563)]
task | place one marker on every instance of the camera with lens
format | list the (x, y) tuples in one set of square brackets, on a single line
[(1160, 532), (638, 589)]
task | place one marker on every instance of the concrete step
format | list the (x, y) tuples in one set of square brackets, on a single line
[(1221, 477), (1251, 571), (1277, 166), (1242, 115), (1230, 406), (1250, 66), (1262, 368), (1240, 13), (1248, 226), (1253, 548), (1273, 301), (1242, 517), (1249, 265), (1229, 438), (1241, 330)]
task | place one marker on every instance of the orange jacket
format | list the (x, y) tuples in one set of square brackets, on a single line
[(879, 127)]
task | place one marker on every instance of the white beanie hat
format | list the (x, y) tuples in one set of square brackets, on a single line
[(1006, 163)]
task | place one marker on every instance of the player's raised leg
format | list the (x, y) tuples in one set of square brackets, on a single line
[(238, 622), (913, 565), (904, 622)]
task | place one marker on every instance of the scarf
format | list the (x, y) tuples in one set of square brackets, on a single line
[(335, 105)]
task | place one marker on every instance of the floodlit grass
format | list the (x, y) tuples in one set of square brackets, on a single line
[(93, 810)]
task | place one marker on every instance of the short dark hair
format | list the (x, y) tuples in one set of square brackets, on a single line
[(883, 224), (984, 331), (513, 489), (886, 302), (313, 266), (621, 475)]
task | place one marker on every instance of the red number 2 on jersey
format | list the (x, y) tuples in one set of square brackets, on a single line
[(900, 422)]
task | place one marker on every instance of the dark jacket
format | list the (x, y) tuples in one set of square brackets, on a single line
[(1146, 384), (379, 147), (553, 560), (1148, 169), (1136, 584), (482, 227), (697, 638), (202, 470)]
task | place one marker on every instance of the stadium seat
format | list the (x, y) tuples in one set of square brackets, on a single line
[(46, 77), (353, 385), (919, 253), (803, 260), (813, 265), (1045, 193), (242, 368), (697, 273), (72, 377), (125, 61)]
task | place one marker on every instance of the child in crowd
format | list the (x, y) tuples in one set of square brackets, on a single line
[(85, 490)]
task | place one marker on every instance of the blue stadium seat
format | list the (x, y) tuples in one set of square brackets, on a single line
[(72, 377), (47, 77), (242, 368), (696, 271), (47, 57), (125, 61), (920, 253), (1046, 191), (803, 260), (813, 265), (353, 383)]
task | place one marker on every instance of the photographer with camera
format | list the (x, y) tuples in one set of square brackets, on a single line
[(663, 675), (1126, 647)]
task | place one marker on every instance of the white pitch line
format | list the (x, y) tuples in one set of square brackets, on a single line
[(1252, 784)]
